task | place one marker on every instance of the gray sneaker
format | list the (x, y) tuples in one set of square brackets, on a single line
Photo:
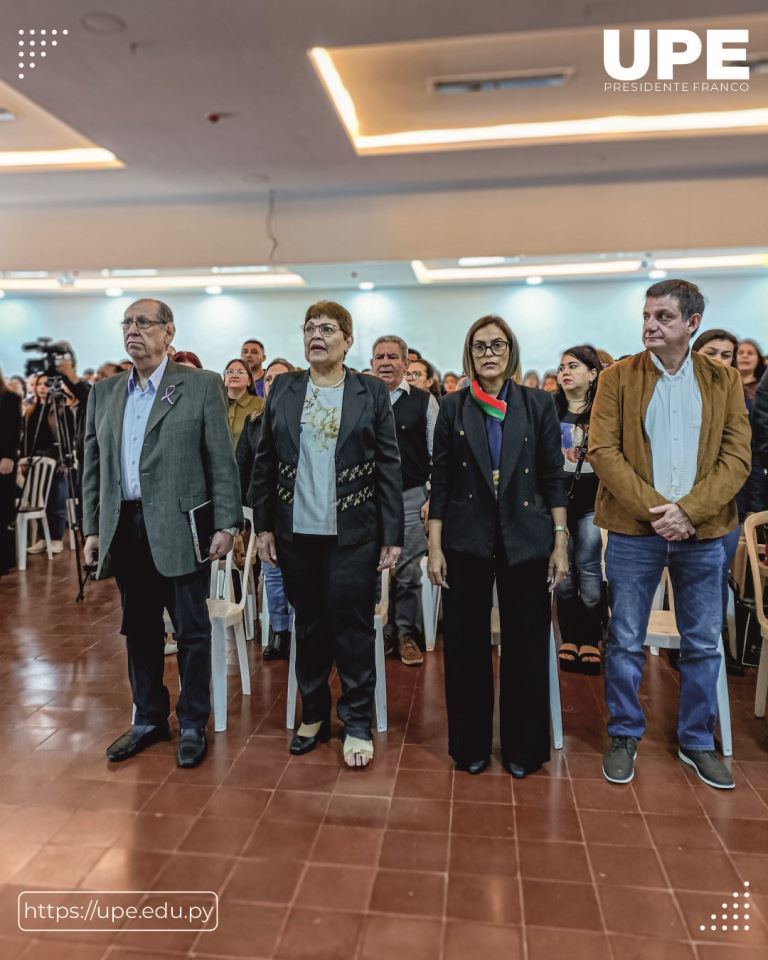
[(709, 768), (619, 760)]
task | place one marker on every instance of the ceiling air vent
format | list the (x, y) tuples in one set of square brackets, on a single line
[(6, 114), (513, 80)]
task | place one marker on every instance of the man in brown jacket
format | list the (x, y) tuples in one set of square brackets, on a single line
[(670, 442)]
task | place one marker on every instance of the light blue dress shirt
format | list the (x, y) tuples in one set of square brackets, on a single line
[(673, 425), (137, 410)]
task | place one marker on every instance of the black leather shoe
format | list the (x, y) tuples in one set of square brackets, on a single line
[(133, 742), (476, 766), (516, 770), (301, 745), (193, 746), (279, 646)]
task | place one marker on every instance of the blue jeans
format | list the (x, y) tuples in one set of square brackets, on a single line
[(634, 566), (280, 614), (585, 571)]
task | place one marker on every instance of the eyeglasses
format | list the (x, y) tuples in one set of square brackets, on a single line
[(415, 375), (142, 323), (235, 373), (497, 347), (326, 330)]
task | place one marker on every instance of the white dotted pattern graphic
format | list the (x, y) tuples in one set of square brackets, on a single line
[(30, 40), (744, 904)]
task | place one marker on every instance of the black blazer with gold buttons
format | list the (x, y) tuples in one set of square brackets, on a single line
[(531, 479), (369, 504)]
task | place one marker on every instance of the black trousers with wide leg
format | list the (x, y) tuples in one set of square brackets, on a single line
[(524, 613), (144, 593), (333, 592)]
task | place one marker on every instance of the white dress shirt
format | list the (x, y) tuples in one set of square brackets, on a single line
[(673, 425)]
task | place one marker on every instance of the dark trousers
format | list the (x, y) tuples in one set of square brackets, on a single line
[(8, 493), (524, 613), (333, 592), (144, 593)]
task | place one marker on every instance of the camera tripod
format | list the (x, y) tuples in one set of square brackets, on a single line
[(55, 406)]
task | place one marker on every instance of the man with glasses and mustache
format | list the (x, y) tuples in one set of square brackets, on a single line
[(415, 415), (157, 445)]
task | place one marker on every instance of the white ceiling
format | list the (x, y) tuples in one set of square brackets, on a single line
[(193, 193)]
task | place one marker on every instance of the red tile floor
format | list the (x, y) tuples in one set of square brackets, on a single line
[(405, 860)]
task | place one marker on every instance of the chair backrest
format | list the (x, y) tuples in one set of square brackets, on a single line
[(40, 471), (750, 532)]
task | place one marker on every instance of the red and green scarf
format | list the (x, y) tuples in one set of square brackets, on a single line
[(495, 409), (491, 406)]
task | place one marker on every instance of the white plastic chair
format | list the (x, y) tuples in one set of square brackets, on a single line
[(430, 606), (759, 576), (40, 471), (662, 633), (380, 697), (227, 620)]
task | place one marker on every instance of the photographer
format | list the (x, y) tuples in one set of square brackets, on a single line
[(40, 439), (10, 434)]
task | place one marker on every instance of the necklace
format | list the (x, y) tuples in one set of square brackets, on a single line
[(333, 386)]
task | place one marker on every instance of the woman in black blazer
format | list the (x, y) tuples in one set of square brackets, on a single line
[(10, 438), (328, 507), (497, 512)]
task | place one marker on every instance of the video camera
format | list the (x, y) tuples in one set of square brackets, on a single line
[(47, 365)]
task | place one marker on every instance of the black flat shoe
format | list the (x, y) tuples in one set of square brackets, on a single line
[(279, 646), (133, 742), (301, 745), (193, 746), (516, 770), (476, 766)]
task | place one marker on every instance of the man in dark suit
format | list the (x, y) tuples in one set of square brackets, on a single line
[(157, 445)]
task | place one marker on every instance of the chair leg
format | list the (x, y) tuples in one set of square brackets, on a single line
[(724, 706), (22, 529), (265, 623), (219, 675), (761, 690), (380, 697), (427, 603), (47, 534), (242, 656), (249, 613), (730, 616), (555, 706), (290, 709)]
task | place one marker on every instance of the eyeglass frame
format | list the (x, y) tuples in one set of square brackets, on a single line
[(486, 347), (309, 329), (142, 323)]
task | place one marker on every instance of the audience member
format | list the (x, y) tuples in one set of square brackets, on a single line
[(107, 370), (10, 438), (579, 596), (549, 382), (605, 358), (415, 414), (668, 479), (254, 355), (413, 354), (327, 501), (188, 359), (136, 521), (532, 379), (760, 421), (751, 366), (18, 385), (242, 402), (422, 374), (450, 382), (280, 614), (497, 513)]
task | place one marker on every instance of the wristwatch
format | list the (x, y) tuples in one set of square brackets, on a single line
[(559, 528)]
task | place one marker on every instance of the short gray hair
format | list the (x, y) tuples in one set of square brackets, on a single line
[(163, 311), (392, 338)]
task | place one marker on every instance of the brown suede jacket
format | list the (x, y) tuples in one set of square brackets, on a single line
[(620, 451)]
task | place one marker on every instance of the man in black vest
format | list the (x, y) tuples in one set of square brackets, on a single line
[(415, 415)]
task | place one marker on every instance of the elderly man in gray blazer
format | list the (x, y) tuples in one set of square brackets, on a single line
[(157, 445)]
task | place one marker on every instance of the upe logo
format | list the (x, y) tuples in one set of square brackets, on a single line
[(677, 48)]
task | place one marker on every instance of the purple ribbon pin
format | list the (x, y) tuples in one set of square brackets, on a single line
[(169, 394)]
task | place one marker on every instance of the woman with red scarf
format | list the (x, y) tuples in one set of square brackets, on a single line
[(497, 513)]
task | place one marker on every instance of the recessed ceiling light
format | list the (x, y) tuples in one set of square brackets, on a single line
[(5, 113), (27, 274), (113, 292), (2, 294), (481, 261), (534, 281), (366, 285), (657, 274), (103, 23), (213, 290), (257, 269), (139, 272), (83, 157)]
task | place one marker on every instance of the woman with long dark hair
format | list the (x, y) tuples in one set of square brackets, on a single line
[(10, 437), (497, 513), (579, 596)]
